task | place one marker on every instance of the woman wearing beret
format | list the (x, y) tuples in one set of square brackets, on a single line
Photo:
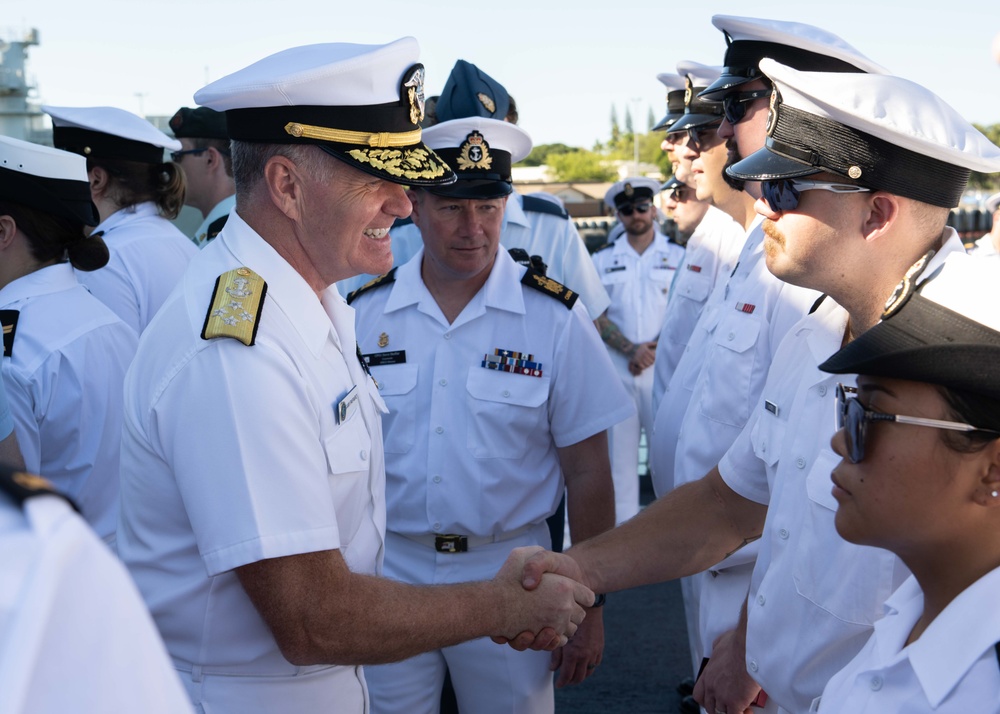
[(920, 476), (137, 195)]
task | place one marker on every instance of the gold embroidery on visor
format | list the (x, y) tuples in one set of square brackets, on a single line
[(379, 139)]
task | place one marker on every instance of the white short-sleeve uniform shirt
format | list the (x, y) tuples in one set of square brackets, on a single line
[(64, 381), (709, 257), (807, 578), (469, 449), (234, 453), (952, 668), (148, 257)]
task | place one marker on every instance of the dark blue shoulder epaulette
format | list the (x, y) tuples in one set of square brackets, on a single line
[(540, 205), (550, 287), (378, 282), (21, 486), (605, 247), (215, 227)]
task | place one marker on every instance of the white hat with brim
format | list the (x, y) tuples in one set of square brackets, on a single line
[(481, 152), (46, 179), (108, 133), (362, 104), (886, 133), (796, 44), (630, 190)]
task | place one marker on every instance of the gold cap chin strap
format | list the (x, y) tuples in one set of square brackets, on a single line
[(381, 139)]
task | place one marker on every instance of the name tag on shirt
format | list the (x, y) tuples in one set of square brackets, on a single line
[(615, 268), (347, 406), (381, 359)]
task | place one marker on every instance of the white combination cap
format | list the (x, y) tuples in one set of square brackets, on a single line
[(993, 203), (47, 179), (675, 85), (698, 111), (481, 152), (630, 190), (362, 104), (886, 133), (108, 133), (798, 45)]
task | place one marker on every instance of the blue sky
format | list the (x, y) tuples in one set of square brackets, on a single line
[(566, 63)]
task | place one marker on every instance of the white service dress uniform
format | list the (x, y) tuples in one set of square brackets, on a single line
[(985, 248), (952, 668), (813, 596), (638, 285), (540, 229), (472, 450), (708, 401), (148, 257), (220, 210), (75, 635), (64, 372), (709, 257), (235, 453)]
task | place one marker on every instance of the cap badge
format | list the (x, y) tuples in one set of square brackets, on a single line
[(772, 112), (901, 295), (413, 83), (474, 153), (383, 340), (487, 102), (854, 172), (629, 190), (688, 91)]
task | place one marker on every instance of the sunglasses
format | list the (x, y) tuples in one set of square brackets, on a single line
[(630, 208), (176, 156), (696, 136), (783, 194), (734, 106), (853, 417), (679, 193)]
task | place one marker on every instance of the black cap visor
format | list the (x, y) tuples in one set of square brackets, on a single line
[(767, 165)]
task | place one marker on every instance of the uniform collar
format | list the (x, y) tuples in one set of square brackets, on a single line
[(514, 212), (286, 289), (950, 646), (409, 289), (123, 215), (51, 279)]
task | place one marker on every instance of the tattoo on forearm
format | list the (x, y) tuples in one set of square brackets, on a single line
[(613, 337)]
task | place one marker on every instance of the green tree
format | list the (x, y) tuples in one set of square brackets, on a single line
[(616, 132), (987, 182), (580, 165), (539, 155), (650, 120), (628, 122)]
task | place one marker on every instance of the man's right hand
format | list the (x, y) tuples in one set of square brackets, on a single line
[(544, 614), (537, 566)]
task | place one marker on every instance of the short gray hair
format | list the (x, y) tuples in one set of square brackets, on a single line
[(250, 158)]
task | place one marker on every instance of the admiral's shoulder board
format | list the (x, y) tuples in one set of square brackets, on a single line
[(550, 287), (8, 318), (378, 282), (534, 204), (215, 227), (236, 306), (21, 486)]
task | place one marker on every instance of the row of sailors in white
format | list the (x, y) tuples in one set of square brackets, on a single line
[(760, 447)]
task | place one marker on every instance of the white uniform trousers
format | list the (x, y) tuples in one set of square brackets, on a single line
[(623, 442), (487, 678)]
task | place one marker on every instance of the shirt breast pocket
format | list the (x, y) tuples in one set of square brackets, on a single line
[(692, 286), (507, 411), (614, 274), (729, 370), (849, 581), (348, 456), (398, 387)]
